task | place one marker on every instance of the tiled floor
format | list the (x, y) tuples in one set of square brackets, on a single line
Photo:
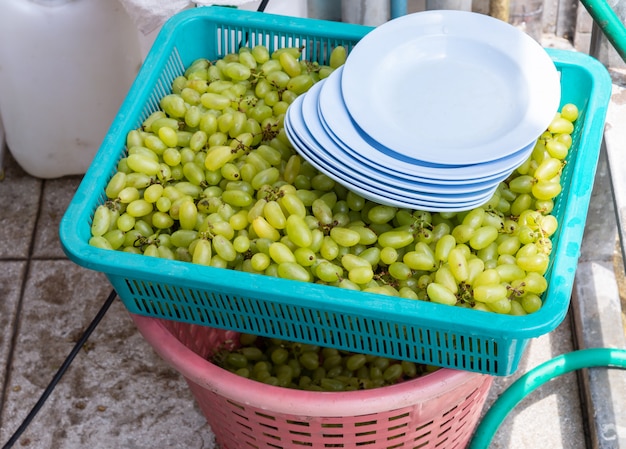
[(117, 393)]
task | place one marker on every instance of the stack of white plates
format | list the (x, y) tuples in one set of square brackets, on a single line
[(430, 111)]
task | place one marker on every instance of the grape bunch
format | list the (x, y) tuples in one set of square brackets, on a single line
[(212, 179), (311, 367)]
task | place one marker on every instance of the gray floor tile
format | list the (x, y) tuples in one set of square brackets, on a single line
[(117, 393), (57, 194), (19, 202), (11, 280)]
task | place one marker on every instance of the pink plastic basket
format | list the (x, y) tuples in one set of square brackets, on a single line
[(439, 410)]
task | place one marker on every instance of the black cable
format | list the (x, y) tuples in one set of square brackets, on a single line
[(57, 377), (262, 6)]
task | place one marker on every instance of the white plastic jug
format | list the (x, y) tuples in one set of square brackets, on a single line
[(65, 69)]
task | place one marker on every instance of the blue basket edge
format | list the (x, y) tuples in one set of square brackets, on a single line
[(81, 253)]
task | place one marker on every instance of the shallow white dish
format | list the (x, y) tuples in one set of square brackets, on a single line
[(376, 186), (337, 123), (324, 149), (450, 87), (313, 133), (377, 196)]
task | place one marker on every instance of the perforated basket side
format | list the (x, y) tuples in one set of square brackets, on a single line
[(391, 331), (438, 410)]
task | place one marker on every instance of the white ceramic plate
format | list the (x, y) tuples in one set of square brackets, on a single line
[(377, 189), (312, 133), (450, 87), (326, 150), (378, 197), (383, 193), (338, 124)]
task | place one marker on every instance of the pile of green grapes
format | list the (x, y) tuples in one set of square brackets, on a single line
[(313, 368), (212, 179)]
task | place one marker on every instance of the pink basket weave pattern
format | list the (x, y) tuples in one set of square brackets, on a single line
[(439, 410)]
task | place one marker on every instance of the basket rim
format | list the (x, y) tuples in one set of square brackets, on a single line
[(78, 250), (510, 333), (292, 401)]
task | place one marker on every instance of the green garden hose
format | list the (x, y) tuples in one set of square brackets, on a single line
[(610, 24), (513, 395)]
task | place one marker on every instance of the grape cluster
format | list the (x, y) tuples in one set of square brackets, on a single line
[(212, 179), (313, 368)]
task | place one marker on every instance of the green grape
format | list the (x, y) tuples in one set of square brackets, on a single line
[(279, 253), (388, 255), (462, 233), (557, 148), (153, 193), (569, 112), (100, 242), (260, 261), (125, 222), (400, 271), (337, 57), (168, 136), (483, 237), (509, 245), (293, 271), (381, 214), (139, 208), (546, 190), (361, 274), (535, 283), (264, 230), (350, 261), (419, 261), (344, 236), (328, 271), (536, 263), (474, 218), (548, 225), (440, 294), (531, 303), (289, 63), (202, 252), (560, 125), (501, 306), (490, 293), (458, 265), (443, 247), (488, 277), (475, 267), (143, 164), (299, 84), (395, 239), (510, 271), (371, 255), (173, 105), (260, 53), (444, 276), (237, 71), (521, 184), (101, 221), (115, 185), (517, 309)]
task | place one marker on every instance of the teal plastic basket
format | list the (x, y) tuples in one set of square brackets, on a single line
[(420, 331)]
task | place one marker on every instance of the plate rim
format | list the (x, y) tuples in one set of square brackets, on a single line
[(543, 84)]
